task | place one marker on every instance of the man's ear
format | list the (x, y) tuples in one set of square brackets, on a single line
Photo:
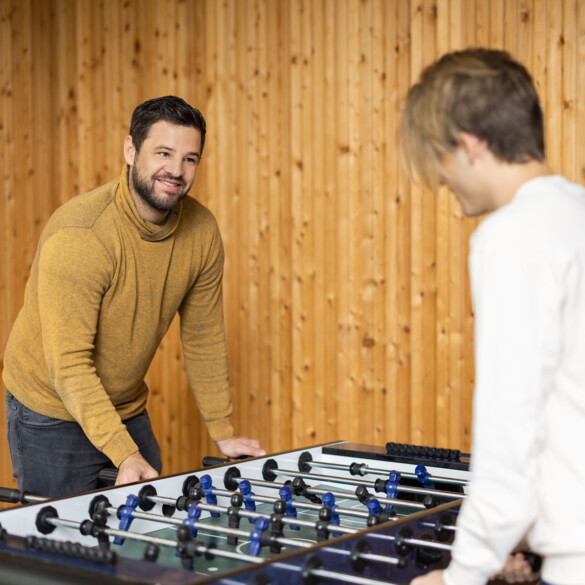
[(472, 145), (129, 150)]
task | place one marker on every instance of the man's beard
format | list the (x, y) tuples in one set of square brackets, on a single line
[(145, 189)]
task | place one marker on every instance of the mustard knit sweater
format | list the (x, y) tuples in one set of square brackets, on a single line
[(104, 288)]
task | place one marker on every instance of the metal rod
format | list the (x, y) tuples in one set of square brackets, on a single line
[(173, 544), (128, 535), (346, 578), (373, 557), (450, 527), (236, 531), (297, 504), (337, 494), (342, 480), (243, 514), (414, 541), (377, 471), (267, 500), (428, 544)]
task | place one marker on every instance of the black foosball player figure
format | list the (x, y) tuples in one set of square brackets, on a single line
[(233, 514), (277, 525), (473, 122), (112, 269)]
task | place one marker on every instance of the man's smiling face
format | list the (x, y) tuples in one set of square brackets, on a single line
[(164, 169)]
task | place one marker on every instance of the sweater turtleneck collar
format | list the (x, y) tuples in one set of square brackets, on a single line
[(148, 231)]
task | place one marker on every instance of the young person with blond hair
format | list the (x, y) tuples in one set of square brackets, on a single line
[(474, 123)]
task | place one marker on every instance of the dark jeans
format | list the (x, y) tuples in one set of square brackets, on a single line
[(54, 458)]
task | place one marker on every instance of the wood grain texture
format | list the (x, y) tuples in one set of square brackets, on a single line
[(346, 294)]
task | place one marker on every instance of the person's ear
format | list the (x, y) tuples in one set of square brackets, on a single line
[(472, 145), (129, 150)]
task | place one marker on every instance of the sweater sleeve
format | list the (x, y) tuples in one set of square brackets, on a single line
[(515, 293), (204, 345), (73, 276)]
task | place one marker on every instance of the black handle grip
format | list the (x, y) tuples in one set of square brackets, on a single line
[(108, 476), (534, 561), (209, 461), (11, 496)]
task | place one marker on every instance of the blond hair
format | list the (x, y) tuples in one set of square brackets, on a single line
[(479, 91)]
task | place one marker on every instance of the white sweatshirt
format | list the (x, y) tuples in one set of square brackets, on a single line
[(527, 268)]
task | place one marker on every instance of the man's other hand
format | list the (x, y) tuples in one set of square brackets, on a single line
[(237, 446), (135, 468)]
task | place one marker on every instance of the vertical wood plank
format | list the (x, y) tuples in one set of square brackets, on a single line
[(8, 280), (569, 87), (380, 147), (578, 173), (343, 410)]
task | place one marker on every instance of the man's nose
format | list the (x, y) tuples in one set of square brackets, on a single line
[(175, 167)]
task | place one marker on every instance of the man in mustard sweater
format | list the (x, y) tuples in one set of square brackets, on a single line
[(112, 269)]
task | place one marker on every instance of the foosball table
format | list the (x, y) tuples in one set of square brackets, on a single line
[(329, 514)]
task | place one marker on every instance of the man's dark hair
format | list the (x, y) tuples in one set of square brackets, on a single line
[(169, 109)]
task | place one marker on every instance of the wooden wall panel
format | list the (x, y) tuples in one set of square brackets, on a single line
[(346, 299)]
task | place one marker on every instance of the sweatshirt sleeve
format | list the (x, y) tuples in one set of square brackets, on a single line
[(204, 344), (515, 294), (73, 276)]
